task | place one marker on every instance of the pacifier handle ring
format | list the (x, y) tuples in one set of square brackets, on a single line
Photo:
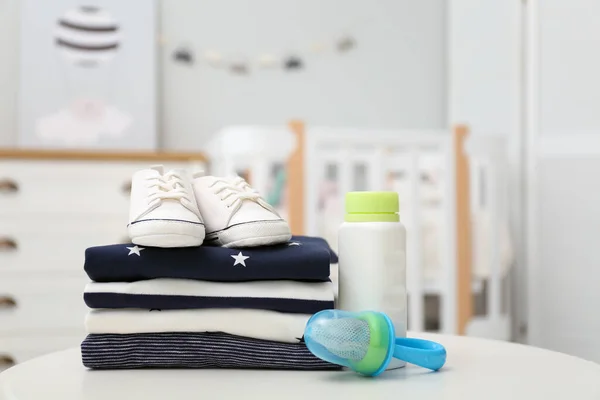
[(421, 352)]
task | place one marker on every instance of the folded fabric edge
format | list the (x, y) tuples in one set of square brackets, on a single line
[(103, 300), (196, 350)]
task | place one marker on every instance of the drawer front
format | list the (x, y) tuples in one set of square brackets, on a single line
[(47, 243), (18, 349), (66, 187), (44, 303)]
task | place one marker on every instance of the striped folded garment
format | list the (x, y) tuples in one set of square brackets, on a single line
[(173, 294), (195, 350)]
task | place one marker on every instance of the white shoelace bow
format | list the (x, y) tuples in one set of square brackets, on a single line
[(168, 186), (234, 191), (241, 183)]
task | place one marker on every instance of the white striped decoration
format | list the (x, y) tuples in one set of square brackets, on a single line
[(87, 36)]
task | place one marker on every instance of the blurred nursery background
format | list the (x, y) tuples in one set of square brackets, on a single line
[(482, 115)]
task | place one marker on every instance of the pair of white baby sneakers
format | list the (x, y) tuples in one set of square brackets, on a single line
[(175, 209)]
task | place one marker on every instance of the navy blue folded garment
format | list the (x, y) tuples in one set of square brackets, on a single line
[(302, 259), (318, 241), (195, 350)]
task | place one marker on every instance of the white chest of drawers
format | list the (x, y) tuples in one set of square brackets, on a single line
[(53, 205)]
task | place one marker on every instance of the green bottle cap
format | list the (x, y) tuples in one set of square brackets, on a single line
[(372, 207)]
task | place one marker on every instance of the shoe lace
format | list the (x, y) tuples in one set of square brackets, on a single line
[(234, 191), (169, 186), (241, 183)]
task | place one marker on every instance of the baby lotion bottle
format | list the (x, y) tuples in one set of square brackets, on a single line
[(372, 258)]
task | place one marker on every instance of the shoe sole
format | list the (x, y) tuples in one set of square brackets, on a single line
[(252, 234), (167, 234)]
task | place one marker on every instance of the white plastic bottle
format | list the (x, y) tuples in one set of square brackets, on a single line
[(372, 258)]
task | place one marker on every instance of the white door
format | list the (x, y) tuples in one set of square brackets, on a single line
[(563, 209)]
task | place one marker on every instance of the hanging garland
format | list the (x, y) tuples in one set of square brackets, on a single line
[(293, 63), (183, 55), (240, 65)]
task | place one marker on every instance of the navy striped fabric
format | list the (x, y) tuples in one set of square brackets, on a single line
[(195, 350), (307, 261), (171, 302)]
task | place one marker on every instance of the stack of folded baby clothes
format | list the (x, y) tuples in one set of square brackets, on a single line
[(242, 302)]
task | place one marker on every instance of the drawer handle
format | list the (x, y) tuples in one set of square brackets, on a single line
[(8, 186), (7, 303), (126, 188), (7, 361), (7, 244)]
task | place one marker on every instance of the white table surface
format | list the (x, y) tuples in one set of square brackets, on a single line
[(475, 369)]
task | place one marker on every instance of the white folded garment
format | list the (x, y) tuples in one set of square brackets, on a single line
[(258, 324), (188, 287), (183, 294)]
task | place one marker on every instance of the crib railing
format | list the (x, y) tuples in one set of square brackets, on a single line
[(358, 159), (488, 173), (363, 160)]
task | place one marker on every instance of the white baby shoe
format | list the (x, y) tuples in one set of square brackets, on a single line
[(235, 215), (163, 210)]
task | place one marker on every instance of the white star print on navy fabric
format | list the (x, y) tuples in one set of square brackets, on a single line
[(135, 250), (294, 244), (240, 259)]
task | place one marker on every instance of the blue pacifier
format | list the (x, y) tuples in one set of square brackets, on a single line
[(366, 342)]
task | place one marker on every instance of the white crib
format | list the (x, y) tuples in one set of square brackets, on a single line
[(452, 195)]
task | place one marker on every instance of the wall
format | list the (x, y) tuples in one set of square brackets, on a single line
[(485, 65), (565, 134), (566, 279), (8, 71), (570, 61), (395, 77)]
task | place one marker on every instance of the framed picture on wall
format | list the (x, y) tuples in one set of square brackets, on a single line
[(88, 74)]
